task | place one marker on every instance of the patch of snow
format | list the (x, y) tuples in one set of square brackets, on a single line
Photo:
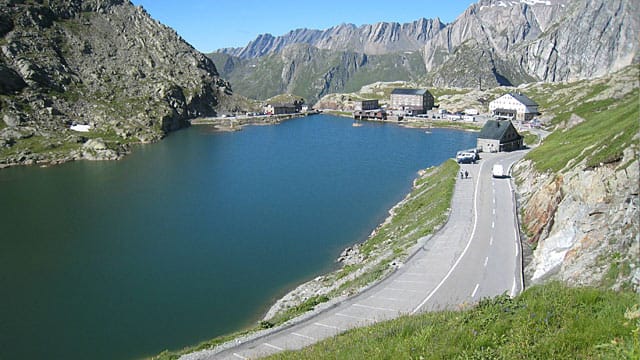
[(536, 2), (81, 128)]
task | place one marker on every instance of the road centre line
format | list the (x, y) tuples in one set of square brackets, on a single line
[(409, 282), (303, 336), (328, 326), (396, 289), (473, 294), (374, 308), (353, 317), (384, 298), (491, 240), (473, 233), (486, 260), (273, 346)]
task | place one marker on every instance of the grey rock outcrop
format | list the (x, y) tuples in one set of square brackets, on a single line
[(586, 223), (105, 63)]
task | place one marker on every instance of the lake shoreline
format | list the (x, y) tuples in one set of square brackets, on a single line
[(328, 285)]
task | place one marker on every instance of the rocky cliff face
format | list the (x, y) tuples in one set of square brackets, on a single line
[(376, 39), (103, 63), (585, 224), (512, 42)]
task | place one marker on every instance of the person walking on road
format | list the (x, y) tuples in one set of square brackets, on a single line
[(466, 174)]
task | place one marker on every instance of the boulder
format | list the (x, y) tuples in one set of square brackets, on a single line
[(95, 144), (10, 81)]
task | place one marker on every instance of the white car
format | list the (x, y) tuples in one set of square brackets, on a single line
[(498, 171)]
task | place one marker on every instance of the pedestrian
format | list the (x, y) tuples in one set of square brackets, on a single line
[(466, 174), (461, 175)]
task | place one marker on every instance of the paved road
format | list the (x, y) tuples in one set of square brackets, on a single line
[(476, 254)]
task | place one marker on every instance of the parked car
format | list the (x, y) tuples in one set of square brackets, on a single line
[(465, 157)]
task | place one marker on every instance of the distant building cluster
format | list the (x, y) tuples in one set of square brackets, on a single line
[(498, 133), (403, 102), (285, 108)]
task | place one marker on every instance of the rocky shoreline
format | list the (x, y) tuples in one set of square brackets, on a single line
[(239, 122), (93, 149)]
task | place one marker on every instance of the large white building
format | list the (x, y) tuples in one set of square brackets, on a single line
[(514, 106)]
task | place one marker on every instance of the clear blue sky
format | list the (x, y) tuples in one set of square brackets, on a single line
[(212, 24)]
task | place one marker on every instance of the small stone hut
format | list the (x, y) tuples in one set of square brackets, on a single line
[(497, 135)]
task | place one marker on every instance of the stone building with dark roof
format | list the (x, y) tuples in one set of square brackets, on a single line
[(413, 101), (497, 135)]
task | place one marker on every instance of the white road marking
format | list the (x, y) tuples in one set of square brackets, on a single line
[(396, 289), (493, 224), (491, 240), (473, 233), (384, 298), (239, 356), (486, 260), (273, 346), (473, 294), (303, 336), (414, 273), (409, 282), (353, 317), (516, 231), (494, 211), (373, 307), (329, 326)]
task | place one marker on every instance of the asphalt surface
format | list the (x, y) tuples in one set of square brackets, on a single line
[(476, 254)]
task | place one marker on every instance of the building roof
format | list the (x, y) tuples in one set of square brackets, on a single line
[(495, 129), (281, 105), (409, 91), (524, 99)]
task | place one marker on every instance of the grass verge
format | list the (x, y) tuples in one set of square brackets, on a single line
[(549, 321)]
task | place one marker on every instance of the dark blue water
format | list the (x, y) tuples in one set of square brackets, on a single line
[(192, 237)]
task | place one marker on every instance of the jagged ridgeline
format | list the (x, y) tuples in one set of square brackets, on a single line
[(493, 43), (102, 63)]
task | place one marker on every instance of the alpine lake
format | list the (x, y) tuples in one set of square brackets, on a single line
[(194, 236)]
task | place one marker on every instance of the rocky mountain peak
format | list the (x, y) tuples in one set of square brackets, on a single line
[(375, 39)]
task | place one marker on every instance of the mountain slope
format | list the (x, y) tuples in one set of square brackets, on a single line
[(106, 64), (493, 43), (311, 72)]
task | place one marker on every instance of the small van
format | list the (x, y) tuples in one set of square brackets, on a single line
[(498, 171)]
